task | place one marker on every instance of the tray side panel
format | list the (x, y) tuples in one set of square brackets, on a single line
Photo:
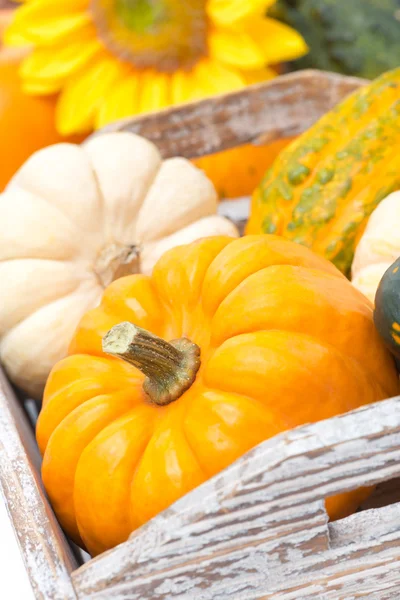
[(48, 559), (259, 529)]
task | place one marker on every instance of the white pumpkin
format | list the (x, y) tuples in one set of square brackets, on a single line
[(378, 247), (72, 220)]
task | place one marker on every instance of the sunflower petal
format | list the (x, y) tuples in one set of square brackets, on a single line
[(227, 12), (14, 35), (259, 75), (93, 85), (181, 87), (211, 77), (235, 48), (277, 42), (60, 61), (61, 5), (38, 87), (121, 101), (52, 30), (35, 84), (154, 91), (43, 21)]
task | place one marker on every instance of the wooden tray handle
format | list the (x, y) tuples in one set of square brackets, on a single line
[(282, 107), (262, 517)]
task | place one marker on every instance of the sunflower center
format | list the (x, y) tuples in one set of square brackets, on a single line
[(162, 34), (141, 15)]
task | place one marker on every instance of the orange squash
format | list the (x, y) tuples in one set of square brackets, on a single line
[(27, 123), (322, 189), (267, 336), (237, 171)]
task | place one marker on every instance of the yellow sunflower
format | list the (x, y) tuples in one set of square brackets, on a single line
[(115, 58)]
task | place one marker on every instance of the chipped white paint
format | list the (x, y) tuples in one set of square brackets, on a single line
[(259, 529), (47, 558), (279, 108)]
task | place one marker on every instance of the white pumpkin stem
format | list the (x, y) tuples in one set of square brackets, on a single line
[(170, 367), (116, 261)]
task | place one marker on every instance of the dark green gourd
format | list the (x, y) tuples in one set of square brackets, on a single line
[(387, 309)]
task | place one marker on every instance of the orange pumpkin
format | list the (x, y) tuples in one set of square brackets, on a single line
[(237, 171), (267, 336), (27, 123)]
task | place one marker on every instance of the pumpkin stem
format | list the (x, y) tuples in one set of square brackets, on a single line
[(116, 261), (170, 367)]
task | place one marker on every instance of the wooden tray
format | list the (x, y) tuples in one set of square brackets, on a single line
[(259, 529)]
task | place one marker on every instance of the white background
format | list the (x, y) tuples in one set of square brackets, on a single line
[(14, 581)]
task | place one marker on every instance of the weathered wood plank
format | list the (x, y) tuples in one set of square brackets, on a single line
[(279, 108), (46, 554), (259, 529)]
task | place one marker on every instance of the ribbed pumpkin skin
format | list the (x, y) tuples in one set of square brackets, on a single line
[(285, 339), (321, 190)]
